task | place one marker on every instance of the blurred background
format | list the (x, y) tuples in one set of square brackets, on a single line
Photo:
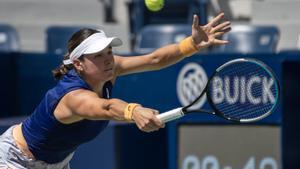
[(33, 37)]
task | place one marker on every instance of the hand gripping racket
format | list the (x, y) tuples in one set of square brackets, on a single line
[(241, 90)]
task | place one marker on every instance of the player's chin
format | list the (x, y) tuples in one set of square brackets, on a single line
[(109, 74), (108, 77)]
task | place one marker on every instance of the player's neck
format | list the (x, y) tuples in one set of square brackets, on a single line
[(95, 85)]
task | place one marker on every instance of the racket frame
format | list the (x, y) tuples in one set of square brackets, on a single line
[(262, 65), (181, 111)]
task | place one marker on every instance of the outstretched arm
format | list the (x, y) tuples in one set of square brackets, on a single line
[(83, 104), (202, 37)]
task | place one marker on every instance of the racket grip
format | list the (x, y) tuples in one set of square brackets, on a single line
[(171, 115)]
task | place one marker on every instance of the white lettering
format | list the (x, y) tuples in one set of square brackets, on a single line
[(218, 94), (268, 162), (267, 93), (251, 98), (243, 90), (232, 99), (211, 162), (254, 90), (191, 162)]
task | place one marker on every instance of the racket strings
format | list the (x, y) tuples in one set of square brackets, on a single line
[(247, 105), (227, 90), (242, 113)]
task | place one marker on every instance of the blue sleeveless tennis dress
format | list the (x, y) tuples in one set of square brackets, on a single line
[(52, 141)]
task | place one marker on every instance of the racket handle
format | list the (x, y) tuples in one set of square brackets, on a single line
[(171, 115)]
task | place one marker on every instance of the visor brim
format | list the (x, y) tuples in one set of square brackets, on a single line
[(102, 44)]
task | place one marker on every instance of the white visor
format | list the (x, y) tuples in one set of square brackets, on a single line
[(93, 44)]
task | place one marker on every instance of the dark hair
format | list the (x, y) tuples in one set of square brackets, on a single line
[(73, 42)]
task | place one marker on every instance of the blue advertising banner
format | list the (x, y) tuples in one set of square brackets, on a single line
[(163, 90)]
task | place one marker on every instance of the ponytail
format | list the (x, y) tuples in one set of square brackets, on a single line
[(59, 72)]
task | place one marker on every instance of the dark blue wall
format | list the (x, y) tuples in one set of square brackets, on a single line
[(291, 116)]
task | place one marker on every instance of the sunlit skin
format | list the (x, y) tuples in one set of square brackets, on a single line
[(97, 68)]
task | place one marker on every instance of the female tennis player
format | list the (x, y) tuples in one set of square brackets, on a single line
[(79, 107)]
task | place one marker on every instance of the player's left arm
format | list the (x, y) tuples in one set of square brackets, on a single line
[(156, 60), (202, 37)]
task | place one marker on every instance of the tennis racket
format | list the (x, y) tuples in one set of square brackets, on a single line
[(241, 90)]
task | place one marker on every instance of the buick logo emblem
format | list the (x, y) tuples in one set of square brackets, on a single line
[(191, 82)]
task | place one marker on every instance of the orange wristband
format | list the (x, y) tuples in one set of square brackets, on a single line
[(128, 111), (188, 47)]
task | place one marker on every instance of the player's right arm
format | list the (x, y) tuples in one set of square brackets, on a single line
[(86, 104)]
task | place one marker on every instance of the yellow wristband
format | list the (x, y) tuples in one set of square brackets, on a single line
[(188, 47), (128, 111)]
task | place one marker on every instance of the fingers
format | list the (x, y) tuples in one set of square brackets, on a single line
[(221, 27), (216, 19), (195, 21), (154, 123), (220, 42), (148, 126), (226, 29), (156, 120), (218, 34), (222, 32), (205, 36), (147, 121)]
